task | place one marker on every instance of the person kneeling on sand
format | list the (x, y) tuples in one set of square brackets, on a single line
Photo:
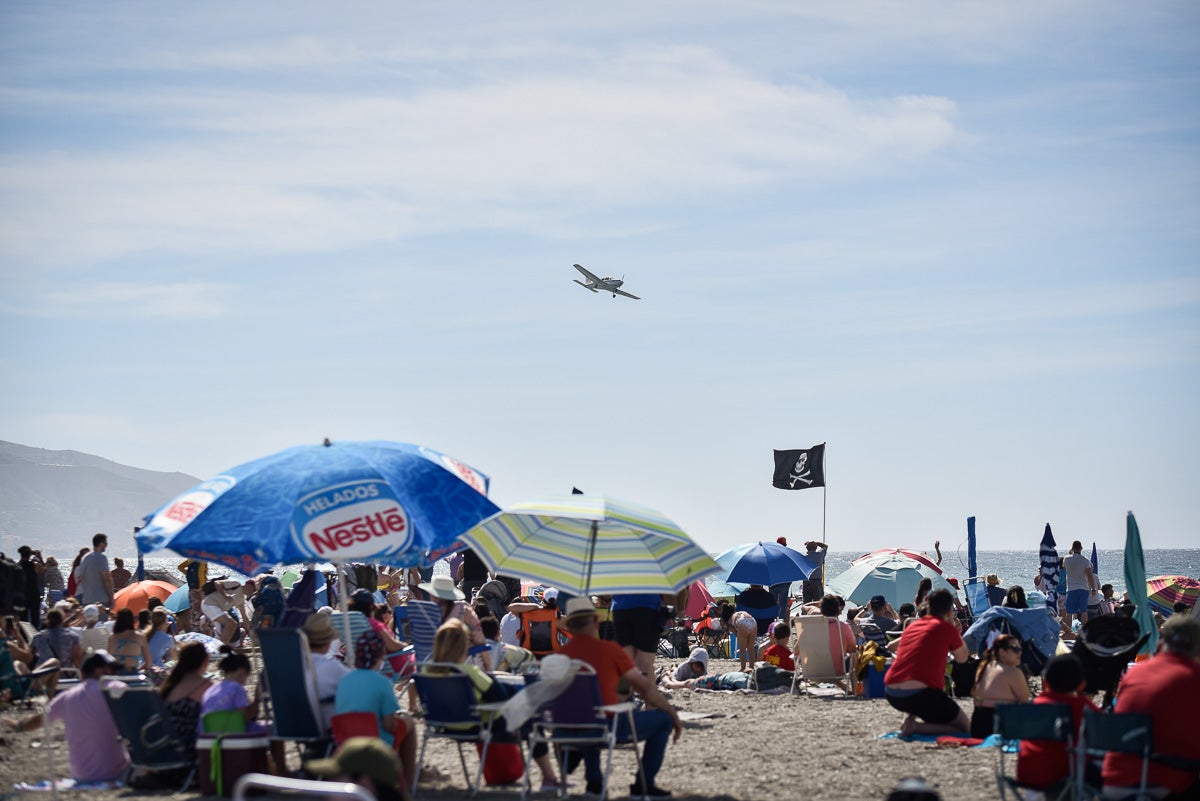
[(914, 683)]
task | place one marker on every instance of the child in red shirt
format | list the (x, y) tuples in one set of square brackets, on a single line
[(1044, 763), (779, 654)]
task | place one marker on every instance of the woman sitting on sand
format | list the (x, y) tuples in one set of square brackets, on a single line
[(128, 644), (999, 680)]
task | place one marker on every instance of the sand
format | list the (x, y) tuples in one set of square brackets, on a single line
[(753, 747)]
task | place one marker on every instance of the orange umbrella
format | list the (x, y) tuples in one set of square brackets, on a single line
[(135, 596)]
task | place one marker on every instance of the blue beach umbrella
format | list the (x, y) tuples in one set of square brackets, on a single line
[(1135, 583), (770, 563), (383, 502), (1095, 562), (177, 601)]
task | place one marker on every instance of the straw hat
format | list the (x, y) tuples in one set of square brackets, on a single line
[(319, 629), (442, 587), (577, 607)]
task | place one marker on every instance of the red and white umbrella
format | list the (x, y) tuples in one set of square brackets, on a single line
[(884, 554)]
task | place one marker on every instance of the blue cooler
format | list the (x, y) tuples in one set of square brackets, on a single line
[(875, 680)]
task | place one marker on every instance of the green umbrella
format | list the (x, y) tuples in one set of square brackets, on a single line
[(1135, 583)]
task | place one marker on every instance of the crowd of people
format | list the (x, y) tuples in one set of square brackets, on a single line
[(489, 629)]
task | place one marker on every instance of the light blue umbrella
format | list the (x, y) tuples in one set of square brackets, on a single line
[(1135, 583), (895, 578), (177, 601), (382, 502)]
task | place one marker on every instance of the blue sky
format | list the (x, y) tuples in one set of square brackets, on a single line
[(957, 242)]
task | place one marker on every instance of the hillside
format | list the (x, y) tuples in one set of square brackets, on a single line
[(56, 500)]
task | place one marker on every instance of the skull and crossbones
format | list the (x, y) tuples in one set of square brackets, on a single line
[(801, 471)]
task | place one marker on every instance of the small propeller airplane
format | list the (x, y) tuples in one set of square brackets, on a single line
[(605, 284)]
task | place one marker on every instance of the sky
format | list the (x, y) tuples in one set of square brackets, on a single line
[(958, 243)]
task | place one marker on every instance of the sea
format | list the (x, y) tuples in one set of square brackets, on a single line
[(1013, 567)]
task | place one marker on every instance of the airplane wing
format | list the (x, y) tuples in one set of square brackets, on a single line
[(590, 276), (623, 292)]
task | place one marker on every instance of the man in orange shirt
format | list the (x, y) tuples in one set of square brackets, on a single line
[(654, 726)]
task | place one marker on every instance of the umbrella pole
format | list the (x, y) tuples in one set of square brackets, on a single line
[(349, 646), (587, 578)]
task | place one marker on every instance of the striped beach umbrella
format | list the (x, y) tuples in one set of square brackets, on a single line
[(1166, 591), (590, 544), (1048, 556)]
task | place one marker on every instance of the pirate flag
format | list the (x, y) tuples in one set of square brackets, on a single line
[(800, 469)]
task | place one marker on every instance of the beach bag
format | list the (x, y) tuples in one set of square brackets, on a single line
[(503, 764), (365, 577), (674, 644), (12, 588)]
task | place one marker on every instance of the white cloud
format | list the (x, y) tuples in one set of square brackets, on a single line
[(273, 172)]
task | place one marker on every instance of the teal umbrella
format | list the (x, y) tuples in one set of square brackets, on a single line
[(1135, 583)]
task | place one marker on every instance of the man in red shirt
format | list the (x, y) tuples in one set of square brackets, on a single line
[(1166, 687), (611, 662), (915, 683)]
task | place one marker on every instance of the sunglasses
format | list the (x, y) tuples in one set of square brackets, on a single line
[(1015, 648)]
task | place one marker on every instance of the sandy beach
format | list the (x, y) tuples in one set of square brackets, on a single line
[(748, 747)]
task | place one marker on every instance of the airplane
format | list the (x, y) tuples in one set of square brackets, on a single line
[(604, 284)]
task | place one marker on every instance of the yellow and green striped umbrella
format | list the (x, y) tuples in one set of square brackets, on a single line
[(590, 544)]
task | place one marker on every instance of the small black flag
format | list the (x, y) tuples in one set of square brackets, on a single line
[(576, 491), (800, 469)]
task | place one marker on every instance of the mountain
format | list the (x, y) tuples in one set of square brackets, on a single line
[(56, 500)]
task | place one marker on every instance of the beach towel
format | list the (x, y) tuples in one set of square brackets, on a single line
[(951, 740), (46, 786)]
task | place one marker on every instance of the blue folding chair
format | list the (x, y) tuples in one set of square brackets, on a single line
[(145, 726), (1015, 722), (1128, 733), (450, 711), (579, 720), (424, 617), (291, 689)]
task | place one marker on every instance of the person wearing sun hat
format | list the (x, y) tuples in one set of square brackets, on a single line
[(327, 669), (367, 762), (451, 601), (654, 725)]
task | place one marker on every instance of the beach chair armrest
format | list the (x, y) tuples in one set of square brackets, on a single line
[(618, 709)]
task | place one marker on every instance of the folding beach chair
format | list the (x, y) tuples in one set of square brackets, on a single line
[(424, 617), (278, 785), (22, 687), (1015, 722), (579, 720), (448, 704), (291, 689), (815, 660), (145, 726), (1123, 733)]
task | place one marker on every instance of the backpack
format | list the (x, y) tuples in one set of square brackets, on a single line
[(12, 588), (365, 577), (269, 606), (539, 631)]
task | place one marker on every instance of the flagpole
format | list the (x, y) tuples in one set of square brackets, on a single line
[(824, 498)]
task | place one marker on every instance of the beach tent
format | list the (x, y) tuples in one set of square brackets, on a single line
[(698, 600), (895, 578)]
